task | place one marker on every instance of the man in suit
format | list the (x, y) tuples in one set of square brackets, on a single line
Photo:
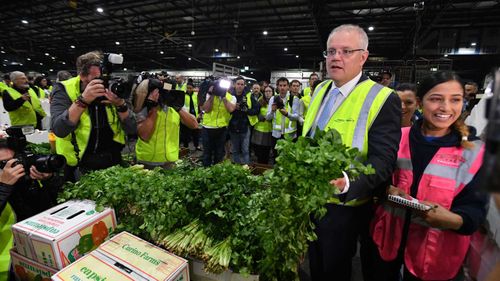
[(368, 116)]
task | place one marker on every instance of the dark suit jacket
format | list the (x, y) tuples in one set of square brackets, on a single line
[(383, 145)]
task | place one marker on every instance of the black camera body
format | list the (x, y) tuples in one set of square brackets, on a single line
[(116, 85), (244, 104), (278, 101), (168, 95), (43, 163)]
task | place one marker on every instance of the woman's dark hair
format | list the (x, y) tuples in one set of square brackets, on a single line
[(407, 87), (263, 100), (38, 81), (435, 79), (432, 81)]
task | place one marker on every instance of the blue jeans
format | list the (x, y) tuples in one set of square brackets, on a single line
[(213, 145), (240, 147)]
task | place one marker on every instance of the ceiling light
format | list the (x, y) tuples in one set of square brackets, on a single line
[(190, 45), (285, 49), (264, 32), (238, 57), (51, 69), (216, 50), (445, 55), (72, 46), (124, 69), (117, 43), (242, 70), (41, 63), (53, 58), (297, 56), (28, 59), (5, 60), (246, 67), (161, 52), (100, 10), (251, 72), (24, 21), (4, 64), (189, 58), (192, 32), (63, 62), (371, 28), (47, 54), (473, 44), (21, 64)]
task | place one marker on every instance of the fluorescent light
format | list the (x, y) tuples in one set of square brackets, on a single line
[(216, 50), (41, 63), (72, 46), (24, 21), (2, 51), (117, 43), (285, 49), (473, 44), (51, 69), (189, 58), (28, 59), (100, 10), (264, 32), (5, 60), (124, 69), (434, 69), (47, 54), (238, 57), (371, 28), (297, 56), (251, 72), (246, 67), (445, 55), (63, 62), (161, 52), (53, 58), (242, 70), (190, 45)]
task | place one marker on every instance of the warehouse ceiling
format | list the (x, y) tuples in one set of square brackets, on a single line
[(190, 34)]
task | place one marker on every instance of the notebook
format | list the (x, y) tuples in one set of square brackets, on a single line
[(412, 204)]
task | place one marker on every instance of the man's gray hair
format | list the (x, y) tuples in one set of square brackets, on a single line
[(15, 74), (351, 28)]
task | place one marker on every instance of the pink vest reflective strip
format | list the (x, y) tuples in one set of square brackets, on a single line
[(430, 253)]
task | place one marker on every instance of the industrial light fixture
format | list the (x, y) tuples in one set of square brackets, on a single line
[(72, 46), (445, 55), (246, 67), (117, 43), (47, 54), (190, 45), (63, 62), (297, 56), (189, 58), (2, 51), (41, 63), (285, 49), (51, 69), (24, 21), (53, 58), (124, 69), (473, 44), (264, 32), (100, 10), (161, 52), (216, 50), (238, 57), (28, 59), (371, 28)]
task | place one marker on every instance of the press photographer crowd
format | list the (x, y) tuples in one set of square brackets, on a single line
[(413, 201)]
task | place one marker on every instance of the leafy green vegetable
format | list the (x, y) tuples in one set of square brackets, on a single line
[(39, 148)]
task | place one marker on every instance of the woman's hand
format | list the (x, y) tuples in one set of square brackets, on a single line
[(440, 217)]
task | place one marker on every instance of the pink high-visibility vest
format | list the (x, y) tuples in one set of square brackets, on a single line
[(430, 253)]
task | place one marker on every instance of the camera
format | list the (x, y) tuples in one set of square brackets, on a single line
[(278, 102), (116, 85), (219, 87), (244, 104), (168, 96), (16, 141)]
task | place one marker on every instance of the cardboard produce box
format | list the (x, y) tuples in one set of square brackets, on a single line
[(196, 269), (63, 234), (126, 257), (29, 270)]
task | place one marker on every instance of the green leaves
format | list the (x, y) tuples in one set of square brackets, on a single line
[(223, 214)]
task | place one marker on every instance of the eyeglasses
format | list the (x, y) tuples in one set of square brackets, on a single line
[(342, 53)]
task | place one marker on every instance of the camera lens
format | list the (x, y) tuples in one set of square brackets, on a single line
[(50, 163)]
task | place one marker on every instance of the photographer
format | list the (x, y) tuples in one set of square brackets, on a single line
[(191, 106), (159, 116), (90, 121), (218, 107), (22, 102), (244, 116), (20, 198), (283, 110)]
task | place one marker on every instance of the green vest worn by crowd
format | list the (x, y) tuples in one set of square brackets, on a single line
[(181, 87), (218, 117), (253, 119), (187, 103), (352, 119), (163, 146), (26, 114), (65, 147), (7, 219), (263, 126), (290, 126)]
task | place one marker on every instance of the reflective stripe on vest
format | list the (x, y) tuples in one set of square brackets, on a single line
[(430, 254), (307, 91), (218, 117), (163, 146), (290, 126), (187, 103), (26, 114), (64, 145), (264, 126), (7, 219), (253, 119)]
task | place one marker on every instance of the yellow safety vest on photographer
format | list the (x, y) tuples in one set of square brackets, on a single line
[(26, 114), (7, 219), (187, 103), (352, 119), (218, 117), (79, 139), (253, 119), (290, 126), (263, 126), (163, 146), (182, 87)]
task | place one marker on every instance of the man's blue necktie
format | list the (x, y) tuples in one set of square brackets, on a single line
[(324, 118)]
